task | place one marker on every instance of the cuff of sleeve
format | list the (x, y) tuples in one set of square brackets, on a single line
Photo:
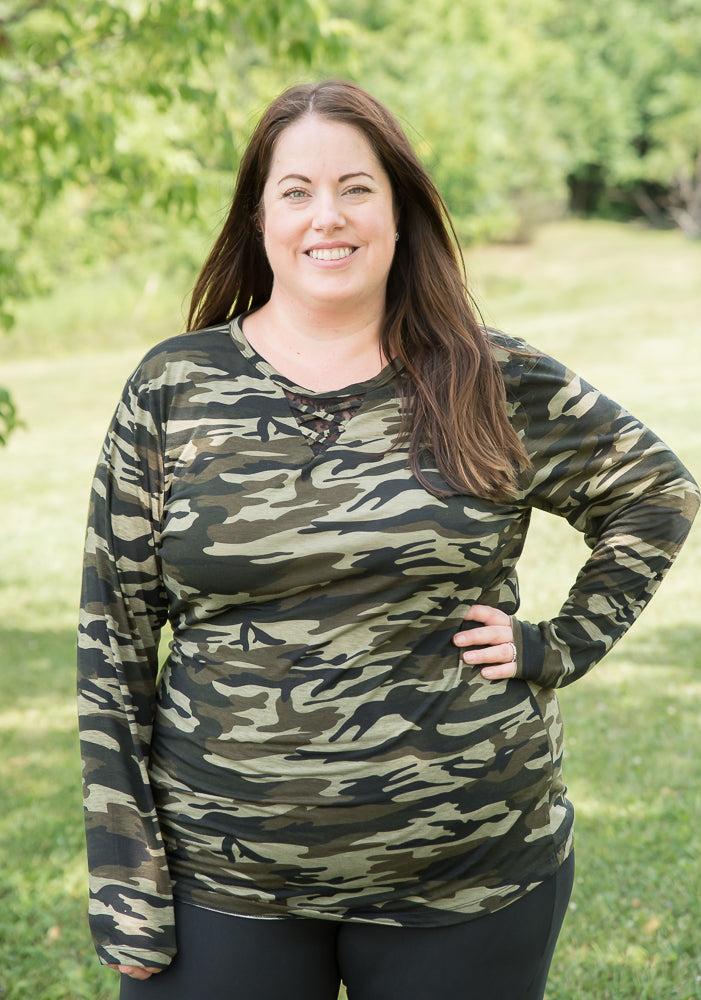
[(134, 956), (530, 651), (146, 938)]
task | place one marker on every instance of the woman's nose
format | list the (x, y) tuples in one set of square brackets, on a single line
[(328, 214)]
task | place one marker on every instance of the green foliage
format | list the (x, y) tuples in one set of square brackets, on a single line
[(116, 114), (629, 104), (131, 105)]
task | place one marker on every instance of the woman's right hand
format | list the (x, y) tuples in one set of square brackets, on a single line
[(135, 971)]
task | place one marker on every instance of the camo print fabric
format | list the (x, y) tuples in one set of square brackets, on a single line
[(315, 746)]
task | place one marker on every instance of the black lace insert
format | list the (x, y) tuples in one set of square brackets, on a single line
[(322, 420)]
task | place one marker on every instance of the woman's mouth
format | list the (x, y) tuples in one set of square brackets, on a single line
[(330, 253)]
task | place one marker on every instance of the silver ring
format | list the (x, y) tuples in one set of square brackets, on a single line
[(513, 651)]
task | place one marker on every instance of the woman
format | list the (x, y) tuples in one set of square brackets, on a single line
[(351, 766)]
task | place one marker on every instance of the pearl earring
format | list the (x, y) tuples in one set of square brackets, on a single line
[(396, 237)]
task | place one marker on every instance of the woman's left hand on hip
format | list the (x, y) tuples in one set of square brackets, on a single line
[(496, 635)]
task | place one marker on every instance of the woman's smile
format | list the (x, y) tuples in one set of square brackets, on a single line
[(330, 253)]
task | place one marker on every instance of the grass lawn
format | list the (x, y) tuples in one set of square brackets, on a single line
[(621, 305)]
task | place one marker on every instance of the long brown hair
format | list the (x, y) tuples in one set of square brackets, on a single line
[(453, 396)]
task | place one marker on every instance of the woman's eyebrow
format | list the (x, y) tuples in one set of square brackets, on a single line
[(294, 177), (341, 179), (355, 173)]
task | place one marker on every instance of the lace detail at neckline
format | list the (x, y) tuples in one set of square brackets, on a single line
[(321, 420)]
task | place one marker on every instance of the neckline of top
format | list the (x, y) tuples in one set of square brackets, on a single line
[(383, 377)]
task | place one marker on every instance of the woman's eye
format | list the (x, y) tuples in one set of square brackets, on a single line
[(295, 194), (358, 189)]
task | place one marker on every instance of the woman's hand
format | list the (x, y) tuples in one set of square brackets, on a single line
[(496, 634), (135, 971)]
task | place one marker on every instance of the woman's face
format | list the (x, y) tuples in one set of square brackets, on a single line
[(328, 218)]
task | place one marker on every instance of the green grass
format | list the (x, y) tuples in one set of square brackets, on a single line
[(621, 306)]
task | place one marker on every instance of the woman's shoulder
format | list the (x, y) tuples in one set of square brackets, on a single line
[(514, 355), (534, 379), (198, 346), (185, 356)]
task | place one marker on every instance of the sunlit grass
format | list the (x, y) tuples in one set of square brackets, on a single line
[(620, 305)]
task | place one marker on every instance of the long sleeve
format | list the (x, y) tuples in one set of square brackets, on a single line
[(123, 610), (617, 483)]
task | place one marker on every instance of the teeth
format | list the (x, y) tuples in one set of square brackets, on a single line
[(334, 253)]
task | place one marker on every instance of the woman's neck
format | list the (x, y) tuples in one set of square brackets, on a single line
[(318, 349)]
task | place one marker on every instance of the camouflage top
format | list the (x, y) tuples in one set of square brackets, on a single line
[(316, 746)]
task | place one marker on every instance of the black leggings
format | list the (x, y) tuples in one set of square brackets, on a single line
[(502, 956)]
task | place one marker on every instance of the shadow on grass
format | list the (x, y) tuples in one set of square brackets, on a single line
[(632, 737), (38, 724), (37, 663), (45, 947), (672, 646)]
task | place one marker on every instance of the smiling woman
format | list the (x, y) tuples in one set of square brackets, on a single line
[(329, 221), (453, 393), (351, 765)]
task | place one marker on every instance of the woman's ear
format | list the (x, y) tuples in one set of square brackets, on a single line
[(259, 218)]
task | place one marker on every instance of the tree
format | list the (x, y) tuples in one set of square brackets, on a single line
[(628, 109), (132, 105)]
